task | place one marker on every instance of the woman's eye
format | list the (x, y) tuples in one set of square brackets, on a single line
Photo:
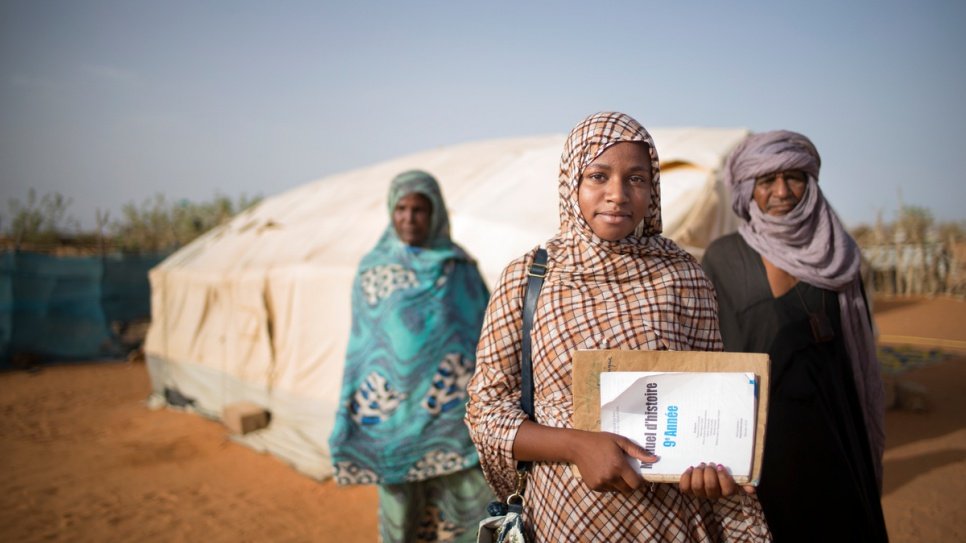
[(596, 176), (638, 180)]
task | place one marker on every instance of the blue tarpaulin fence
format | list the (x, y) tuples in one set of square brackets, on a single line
[(61, 307)]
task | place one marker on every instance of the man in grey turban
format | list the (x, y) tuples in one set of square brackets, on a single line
[(788, 285)]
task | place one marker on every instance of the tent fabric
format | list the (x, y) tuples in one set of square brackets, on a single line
[(259, 308)]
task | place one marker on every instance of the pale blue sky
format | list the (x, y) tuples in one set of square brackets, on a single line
[(110, 102)]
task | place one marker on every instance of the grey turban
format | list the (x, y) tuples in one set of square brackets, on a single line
[(764, 153)]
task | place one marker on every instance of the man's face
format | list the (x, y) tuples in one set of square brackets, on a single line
[(411, 218), (778, 193)]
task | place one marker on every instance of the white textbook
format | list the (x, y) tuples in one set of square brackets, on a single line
[(685, 418)]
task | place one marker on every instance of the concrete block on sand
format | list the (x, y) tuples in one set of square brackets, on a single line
[(244, 417)]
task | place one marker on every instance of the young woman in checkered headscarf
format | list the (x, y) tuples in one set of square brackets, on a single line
[(613, 282)]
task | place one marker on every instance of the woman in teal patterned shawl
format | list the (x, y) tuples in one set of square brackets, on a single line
[(417, 307)]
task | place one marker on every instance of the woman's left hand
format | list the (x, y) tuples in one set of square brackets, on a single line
[(711, 481)]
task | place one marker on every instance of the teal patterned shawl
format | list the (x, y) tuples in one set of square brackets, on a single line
[(416, 318)]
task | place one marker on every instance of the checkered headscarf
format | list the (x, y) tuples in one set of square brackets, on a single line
[(644, 270), (588, 140)]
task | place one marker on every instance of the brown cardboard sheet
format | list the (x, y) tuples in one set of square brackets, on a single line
[(588, 365)]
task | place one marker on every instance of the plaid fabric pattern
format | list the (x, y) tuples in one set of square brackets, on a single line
[(642, 292)]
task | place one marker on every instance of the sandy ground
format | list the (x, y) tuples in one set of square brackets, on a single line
[(84, 459)]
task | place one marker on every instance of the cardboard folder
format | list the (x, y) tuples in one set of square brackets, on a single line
[(588, 365)]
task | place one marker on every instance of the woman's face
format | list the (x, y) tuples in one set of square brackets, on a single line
[(411, 218), (615, 190), (778, 193)]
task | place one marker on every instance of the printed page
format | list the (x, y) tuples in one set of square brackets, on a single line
[(684, 418)]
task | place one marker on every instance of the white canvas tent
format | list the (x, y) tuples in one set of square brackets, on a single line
[(258, 309)]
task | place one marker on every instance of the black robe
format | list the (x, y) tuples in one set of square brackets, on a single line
[(818, 481)]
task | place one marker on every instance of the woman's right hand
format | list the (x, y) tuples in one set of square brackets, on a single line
[(602, 460), (601, 457)]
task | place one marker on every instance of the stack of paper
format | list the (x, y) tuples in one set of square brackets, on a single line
[(684, 418)]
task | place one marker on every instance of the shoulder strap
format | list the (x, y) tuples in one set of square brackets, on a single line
[(535, 275)]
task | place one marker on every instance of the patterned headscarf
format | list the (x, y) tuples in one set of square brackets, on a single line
[(810, 243), (416, 317), (420, 182), (587, 141)]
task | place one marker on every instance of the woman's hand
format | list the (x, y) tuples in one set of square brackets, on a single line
[(601, 457), (602, 460), (711, 481)]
